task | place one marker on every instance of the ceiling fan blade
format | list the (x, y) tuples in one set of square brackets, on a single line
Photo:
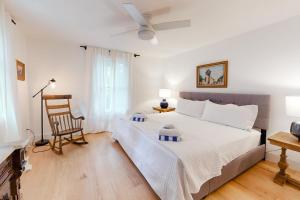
[(157, 12), (171, 25), (136, 15), (124, 32)]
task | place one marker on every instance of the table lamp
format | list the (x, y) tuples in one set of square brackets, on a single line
[(293, 110), (164, 93)]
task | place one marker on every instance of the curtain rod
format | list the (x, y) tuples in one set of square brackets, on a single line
[(85, 47)]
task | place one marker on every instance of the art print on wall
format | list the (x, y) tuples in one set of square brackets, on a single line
[(213, 75), (20, 70)]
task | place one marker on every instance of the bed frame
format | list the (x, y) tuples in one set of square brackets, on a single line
[(247, 160)]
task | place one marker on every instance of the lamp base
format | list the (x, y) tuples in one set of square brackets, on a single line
[(41, 142), (164, 104)]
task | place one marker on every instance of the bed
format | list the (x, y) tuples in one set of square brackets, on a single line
[(200, 163)]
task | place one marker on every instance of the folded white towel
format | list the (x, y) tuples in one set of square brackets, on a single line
[(169, 126), (139, 117), (169, 132)]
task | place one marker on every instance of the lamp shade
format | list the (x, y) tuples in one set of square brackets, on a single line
[(52, 83), (164, 93), (292, 106)]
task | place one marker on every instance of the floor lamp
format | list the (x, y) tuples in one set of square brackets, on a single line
[(43, 141)]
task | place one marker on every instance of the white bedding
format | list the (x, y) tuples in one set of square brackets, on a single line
[(175, 170)]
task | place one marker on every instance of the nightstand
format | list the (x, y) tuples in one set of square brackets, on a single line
[(162, 110), (285, 141)]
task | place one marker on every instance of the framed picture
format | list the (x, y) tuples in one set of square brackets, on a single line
[(213, 75), (20, 70)]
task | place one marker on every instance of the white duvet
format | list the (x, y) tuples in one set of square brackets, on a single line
[(175, 170)]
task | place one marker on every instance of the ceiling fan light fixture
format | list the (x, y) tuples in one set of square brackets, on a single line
[(146, 34), (154, 41)]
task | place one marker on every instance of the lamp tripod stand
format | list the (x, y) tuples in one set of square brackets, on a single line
[(43, 141)]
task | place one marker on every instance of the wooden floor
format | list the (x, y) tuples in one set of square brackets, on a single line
[(101, 170)]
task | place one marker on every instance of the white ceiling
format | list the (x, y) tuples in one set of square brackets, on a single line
[(92, 22)]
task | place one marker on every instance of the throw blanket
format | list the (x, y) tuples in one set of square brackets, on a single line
[(138, 117), (169, 133), (187, 164)]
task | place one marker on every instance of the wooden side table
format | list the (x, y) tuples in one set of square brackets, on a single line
[(285, 141), (162, 110)]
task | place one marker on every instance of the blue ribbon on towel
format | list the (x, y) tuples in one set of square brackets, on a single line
[(169, 133), (138, 117), (169, 138)]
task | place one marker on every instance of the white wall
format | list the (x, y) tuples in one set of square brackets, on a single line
[(66, 63), (266, 61), (147, 80), (18, 48), (59, 60)]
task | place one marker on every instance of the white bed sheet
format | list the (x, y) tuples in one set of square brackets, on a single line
[(175, 170)]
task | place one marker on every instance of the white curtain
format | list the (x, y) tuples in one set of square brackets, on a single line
[(108, 88), (8, 119)]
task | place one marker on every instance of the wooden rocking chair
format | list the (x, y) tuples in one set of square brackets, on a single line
[(62, 123)]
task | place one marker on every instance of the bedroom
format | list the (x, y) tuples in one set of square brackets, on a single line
[(92, 50)]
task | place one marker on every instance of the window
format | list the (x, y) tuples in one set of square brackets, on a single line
[(109, 87)]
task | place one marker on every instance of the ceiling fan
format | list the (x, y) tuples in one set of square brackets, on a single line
[(146, 30)]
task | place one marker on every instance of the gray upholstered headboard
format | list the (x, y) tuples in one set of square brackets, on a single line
[(262, 101)]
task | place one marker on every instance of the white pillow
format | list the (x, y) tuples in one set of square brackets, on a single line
[(242, 117), (190, 108)]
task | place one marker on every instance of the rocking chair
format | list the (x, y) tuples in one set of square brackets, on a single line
[(63, 123)]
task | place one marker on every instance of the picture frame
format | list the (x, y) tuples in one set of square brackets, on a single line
[(20, 70), (213, 75)]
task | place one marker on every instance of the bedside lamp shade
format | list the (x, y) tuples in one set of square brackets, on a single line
[(164, 93), (292, 104)]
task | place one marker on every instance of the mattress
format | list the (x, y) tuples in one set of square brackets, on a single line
[(175, 170)]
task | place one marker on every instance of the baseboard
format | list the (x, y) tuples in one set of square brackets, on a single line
[(46, 136), (49, 136)]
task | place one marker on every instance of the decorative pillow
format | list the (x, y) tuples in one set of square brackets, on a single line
[(190, 108), (242, 117)]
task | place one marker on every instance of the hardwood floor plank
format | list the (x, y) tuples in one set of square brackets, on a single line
[(233, 190), (102, 171)]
